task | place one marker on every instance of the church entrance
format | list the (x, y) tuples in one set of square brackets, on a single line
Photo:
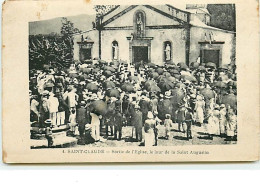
[(140, 55)]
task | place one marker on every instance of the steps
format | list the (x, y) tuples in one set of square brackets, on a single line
[(60, 139)]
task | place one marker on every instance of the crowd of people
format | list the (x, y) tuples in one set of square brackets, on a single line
[(91, 96)]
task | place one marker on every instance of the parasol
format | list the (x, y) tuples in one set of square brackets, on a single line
[(99, 107), (166, 85), (231, 100), (92, 87), (210, 64), (149, 83), (95, 70), (108, 73), (91, 66), (207, 93), (220, 84), (166, 74), (182, 65), (201, 68), (153, 88), (194, 65), (159, 71), (109, 84), (128, 87), (180, 85), (171, 79), (177, 96), (154, 75), (113, 93), (151, 65), (86, 70), (134, 78), (189, 78)]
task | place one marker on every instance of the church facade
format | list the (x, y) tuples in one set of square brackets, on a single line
[(157, 34)]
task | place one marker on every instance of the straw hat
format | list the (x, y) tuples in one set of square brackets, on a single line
[(167, 94)]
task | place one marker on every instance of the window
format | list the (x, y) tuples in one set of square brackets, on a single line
[(167, 51), (115, 50)]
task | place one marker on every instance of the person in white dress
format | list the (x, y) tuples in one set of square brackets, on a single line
[(213, 124), (53, 104), (199, 108), (222, 120), (231, 124), (95, 126), (149, 130)]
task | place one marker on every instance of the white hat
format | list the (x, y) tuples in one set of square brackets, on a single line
[(167, 94)]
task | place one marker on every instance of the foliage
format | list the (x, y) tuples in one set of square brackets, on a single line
[(53, 48), (223, 16), (103, 9)]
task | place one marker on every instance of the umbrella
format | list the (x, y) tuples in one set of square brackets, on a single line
[(211, 64), (166, 74), (159, 71), (113, 93), (161, 78), (134, 78), (99, 107), (194, 65), (166, 85), (180, 85), (177, 76), (109, 84), (151, 65), (154, 75), (171, 79), (95, 70), (73, 75), (174, 71), (177, 96), (92, 87), (220, 84), (189, 78), (231, 100), (109, 68), (149, 83), (108, 73), (153, 88), (201, 68), (91, 66), (207, 93), (127, 87), (182, 65), (170, 66), (224, 67), (86, 70)]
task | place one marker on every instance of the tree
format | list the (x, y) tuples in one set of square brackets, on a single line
[(223, 16), (67, 32)]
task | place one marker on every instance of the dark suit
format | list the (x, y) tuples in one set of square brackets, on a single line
[(137, 122)]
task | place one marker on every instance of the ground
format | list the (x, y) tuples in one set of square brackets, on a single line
[(176, 138)]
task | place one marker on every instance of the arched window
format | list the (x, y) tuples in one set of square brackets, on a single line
[(115, 50), (167, 51), (139, 23)]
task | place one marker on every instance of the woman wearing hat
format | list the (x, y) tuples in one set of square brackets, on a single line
[(222, 120), (149, 130), (199, 108)]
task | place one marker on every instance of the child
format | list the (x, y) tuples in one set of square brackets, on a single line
[(48, 133), (188, 121), (72, 121), (167, 124)]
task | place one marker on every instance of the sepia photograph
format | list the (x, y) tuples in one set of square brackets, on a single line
[(134, 75)]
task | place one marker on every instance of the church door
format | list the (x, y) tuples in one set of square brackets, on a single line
[(211, 56), (140, 53)]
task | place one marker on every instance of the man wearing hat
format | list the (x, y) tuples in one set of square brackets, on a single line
[(137, 121), (82, 121), (165, 106), (118, 121), (145, 106)]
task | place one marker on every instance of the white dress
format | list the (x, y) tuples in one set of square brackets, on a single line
[(199, 111)]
